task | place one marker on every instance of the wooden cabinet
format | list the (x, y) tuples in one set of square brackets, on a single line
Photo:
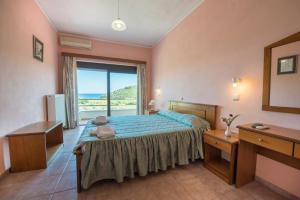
[(273, 143), (215, 142), (277, 143), (33, 146), (297, 151), (219, 144)]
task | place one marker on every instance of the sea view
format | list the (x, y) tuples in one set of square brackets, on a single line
[(90, 96), (122, 102)]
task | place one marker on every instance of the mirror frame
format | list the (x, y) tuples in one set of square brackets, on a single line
[(267, 76)]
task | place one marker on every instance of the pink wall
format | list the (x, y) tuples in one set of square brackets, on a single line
[(113, 50), (23, 80), (221, 40), (287, 178)]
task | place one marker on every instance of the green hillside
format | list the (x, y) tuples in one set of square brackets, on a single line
[(126, 93)]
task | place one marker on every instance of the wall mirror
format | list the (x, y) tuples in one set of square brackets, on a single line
[(281, 85)]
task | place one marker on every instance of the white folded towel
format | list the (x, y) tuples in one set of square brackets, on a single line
[(93, 131), (100, 120), (103, 132)]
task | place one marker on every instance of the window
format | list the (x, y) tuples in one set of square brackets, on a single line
[(105, 89)]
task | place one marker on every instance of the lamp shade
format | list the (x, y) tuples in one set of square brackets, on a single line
[(118, 25)]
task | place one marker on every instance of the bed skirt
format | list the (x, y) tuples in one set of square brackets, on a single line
[(125, 157)]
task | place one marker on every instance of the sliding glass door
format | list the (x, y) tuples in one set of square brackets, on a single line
[(105, 89), (92, 93), (123, 94)]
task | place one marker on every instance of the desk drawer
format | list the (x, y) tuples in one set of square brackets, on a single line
[(218, 143), (297, 151), (275, 144)]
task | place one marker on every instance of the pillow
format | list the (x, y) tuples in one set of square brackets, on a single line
[(187, 119)]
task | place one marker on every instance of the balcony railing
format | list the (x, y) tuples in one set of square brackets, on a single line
[(91, 108)]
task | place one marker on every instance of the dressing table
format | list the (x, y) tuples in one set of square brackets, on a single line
[(277, 143)]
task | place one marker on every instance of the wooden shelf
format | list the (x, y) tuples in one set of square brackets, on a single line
[(52, 152), (34, 146), (221, 166)]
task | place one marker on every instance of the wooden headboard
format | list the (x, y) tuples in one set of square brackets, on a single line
[(207, 112)]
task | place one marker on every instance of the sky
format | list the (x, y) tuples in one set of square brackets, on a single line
[(94, 81)]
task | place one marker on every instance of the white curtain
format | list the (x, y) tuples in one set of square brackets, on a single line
[(70, 91), (142, 89)]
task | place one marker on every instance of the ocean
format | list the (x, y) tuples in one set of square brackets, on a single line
[(90, 96)]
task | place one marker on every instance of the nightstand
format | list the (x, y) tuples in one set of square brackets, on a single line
[(151, 112), (215, 142)]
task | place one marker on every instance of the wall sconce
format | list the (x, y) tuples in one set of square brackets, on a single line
[(235, 86), (158, 91)]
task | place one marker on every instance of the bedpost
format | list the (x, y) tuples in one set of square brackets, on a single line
[(78, 154)]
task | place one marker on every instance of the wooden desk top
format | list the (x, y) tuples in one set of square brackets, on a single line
[(36, 128), (275, 131), (220, 134)]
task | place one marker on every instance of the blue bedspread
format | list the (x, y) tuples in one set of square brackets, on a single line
[(138, 125), (142, 144)]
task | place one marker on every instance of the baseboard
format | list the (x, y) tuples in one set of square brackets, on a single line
[(276, 189)]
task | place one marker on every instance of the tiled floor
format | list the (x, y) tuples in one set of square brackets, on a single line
[(58, 182)]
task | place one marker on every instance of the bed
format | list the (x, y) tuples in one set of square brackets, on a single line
[(143, 144)]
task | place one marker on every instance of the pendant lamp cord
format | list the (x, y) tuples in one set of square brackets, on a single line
[(118, 9)]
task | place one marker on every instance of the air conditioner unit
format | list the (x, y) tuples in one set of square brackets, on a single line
[(75, 42)]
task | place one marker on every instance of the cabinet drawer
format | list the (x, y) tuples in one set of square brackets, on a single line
[(218, 143), (297, 151), (275, 144)]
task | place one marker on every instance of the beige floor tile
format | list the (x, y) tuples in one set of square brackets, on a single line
[(135, 189), (104, 188), (73, 157), (54, 170), (67, 182), (13, 192), (40, 180), (37, 190), (15, 178), (68, 195), (58, 181), (235, 194), (56, 167), (43, 197), (62, 157), (68, 149), (71, 166)]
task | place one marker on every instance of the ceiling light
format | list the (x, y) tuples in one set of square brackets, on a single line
[(118, 24)]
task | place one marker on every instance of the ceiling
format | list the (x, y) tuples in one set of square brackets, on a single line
[(148, 21)]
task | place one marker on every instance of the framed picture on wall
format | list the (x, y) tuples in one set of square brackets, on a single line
[(38, 49), (287, 65)]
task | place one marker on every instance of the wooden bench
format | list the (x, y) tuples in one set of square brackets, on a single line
[(34, 146)]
